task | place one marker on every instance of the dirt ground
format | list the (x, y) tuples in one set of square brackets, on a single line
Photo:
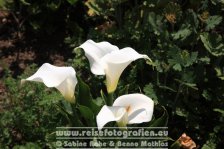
[(18, 50)]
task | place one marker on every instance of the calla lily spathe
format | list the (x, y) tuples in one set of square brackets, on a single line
[(107, 59), (127, 109), (62, 78)]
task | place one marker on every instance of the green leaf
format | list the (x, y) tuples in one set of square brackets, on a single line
[(219, 110), (87, 114), (161, 121), (84, 96), (216, 2), (181, 112), (96, 105), (211, 142), (156, 64), (63, 112), (191, 59), (124, 90), (207, 95), (182, 34), (69, 111), (104, 97), (167, 88), (72, 2), (99, 101), (213, 43), (210, 145), (149, 91), (67, 106), (181, 58), (212, 22), (54, 5), (192, 19), (219, 73), (177, 67), (191, 85), (155, 22), (205, 60), (176, 145), (24, 2)]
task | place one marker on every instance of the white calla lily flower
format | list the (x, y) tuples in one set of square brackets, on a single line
[(107, 59), (95, 51), (62, 78), (127, 109)]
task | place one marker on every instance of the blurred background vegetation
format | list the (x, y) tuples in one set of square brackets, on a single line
[(184, 39)]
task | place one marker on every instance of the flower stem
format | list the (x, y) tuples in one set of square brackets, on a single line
[(110, 99)]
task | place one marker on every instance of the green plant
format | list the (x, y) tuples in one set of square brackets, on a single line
[(30, 114), (185, 45)]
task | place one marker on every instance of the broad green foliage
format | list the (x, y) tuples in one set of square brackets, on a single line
[(162, 121), (30, 111), (214, 43), (212, 22), (179, 59), (184, 39), (149, 91)]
